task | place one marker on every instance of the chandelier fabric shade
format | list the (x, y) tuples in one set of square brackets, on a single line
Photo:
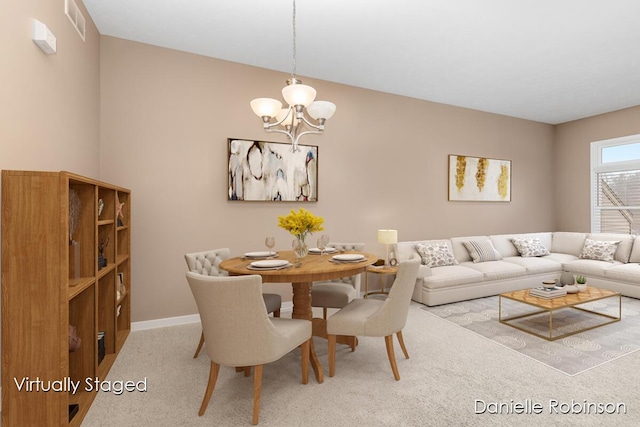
[(292, 120)]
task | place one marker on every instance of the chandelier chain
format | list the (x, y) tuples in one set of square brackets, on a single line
[(293, 72)]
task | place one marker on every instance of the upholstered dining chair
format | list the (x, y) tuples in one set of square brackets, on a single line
[(207, 263), (337, 293), (377, 318), (240, 333)]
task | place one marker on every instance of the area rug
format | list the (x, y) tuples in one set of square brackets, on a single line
[(570, 355)]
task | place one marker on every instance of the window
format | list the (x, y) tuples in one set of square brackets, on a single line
[(615, 185)]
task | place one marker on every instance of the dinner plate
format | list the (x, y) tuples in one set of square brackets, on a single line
[(269, 263), (261, 254), (326, 250), (348, 257)]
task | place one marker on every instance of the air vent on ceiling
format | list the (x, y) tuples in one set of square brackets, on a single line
[(75, 16)]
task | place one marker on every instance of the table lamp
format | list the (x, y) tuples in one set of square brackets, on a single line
[(387, 237)]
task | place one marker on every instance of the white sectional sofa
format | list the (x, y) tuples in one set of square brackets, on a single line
[(507, 270)]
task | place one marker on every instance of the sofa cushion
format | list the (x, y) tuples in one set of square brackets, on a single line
[(568, 243), (624, 248), (635, 250), (482, 250), (624, 272), (452, 275), (459, 251), (600, 250), (504, 244), (590, 267), (497, 270), (536, 265), (561, 258), (529, 246), (436, 253)]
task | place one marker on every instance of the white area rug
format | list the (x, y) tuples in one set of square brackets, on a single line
[(571, 355)]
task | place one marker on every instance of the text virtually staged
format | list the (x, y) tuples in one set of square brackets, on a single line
[(30, 385)]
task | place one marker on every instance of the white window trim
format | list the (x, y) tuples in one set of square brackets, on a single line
[(597, 166)]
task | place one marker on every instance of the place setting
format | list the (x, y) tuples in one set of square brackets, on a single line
[(270, 243), (269, 264), (323, 247), (348, 258)]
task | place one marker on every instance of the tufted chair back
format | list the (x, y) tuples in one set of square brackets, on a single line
[(207, 263), (352, 280)]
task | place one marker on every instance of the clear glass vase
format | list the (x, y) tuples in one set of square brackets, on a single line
[(300, 247)]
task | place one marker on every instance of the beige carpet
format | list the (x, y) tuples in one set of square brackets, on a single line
[(571, 355), (449, 371)]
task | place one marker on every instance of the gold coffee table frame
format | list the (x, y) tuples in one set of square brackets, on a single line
[(552, 305)]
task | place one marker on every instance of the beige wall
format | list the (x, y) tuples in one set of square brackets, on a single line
[(49, 109), (572, 167), (165, 120), (162, 132)]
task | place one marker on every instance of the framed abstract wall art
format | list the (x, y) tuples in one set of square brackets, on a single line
[(479, 179), (270, 171)]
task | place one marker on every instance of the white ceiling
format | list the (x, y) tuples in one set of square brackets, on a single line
[(551, 61)]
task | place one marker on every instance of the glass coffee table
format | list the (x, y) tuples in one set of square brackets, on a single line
[(553, 306)]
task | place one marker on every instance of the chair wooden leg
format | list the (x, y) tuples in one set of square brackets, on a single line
[(401, 341), (324, 313), (306, 352), (200, 344), (276, 313), (213, 377), (332, 354), (388, 340), (257, 386)]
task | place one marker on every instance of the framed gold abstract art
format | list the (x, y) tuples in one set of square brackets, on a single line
[(479, 179)]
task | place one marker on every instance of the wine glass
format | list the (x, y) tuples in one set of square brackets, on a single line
[(270, 242), (321, 245), (325, 241)]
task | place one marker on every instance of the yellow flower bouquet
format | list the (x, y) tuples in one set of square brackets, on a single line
[(301, 223)]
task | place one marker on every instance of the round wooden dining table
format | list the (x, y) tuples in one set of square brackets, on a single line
[(312, 268)]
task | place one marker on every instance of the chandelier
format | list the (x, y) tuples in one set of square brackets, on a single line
[(292, 121)]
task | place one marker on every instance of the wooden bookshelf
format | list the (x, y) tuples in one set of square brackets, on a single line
[(51, 278)]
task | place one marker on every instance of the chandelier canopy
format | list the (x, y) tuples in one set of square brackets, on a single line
[(292, 120)]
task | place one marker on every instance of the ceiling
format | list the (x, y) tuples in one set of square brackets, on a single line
[(551, 61)]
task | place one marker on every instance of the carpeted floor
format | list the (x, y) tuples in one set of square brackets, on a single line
[(571, 355), (451, 373)]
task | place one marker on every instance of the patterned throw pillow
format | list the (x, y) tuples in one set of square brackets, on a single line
[(482, 251), (529, 246), (436, 253), (599, 250)]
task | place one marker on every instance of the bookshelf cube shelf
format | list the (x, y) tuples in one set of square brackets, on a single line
[(51, 238)]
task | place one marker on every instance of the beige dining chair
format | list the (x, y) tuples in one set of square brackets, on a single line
[(339, 292), (208, 263), (377, 318), (239, 331)]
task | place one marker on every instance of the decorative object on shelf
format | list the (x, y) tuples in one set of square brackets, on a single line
[(119, 214), (290, 121), (571, 289), (75, 210), (479, 179), (74, 339), (301, 224), (389, 238), (100, 207), (566, 278), (582, 283), (269, 171), (102, 261), (121, 288)]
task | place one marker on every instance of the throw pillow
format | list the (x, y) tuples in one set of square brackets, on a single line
[(436, 253), (599, 250), (529, 246), (482, 251)]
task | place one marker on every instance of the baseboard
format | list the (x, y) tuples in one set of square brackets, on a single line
[(287, 307)]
